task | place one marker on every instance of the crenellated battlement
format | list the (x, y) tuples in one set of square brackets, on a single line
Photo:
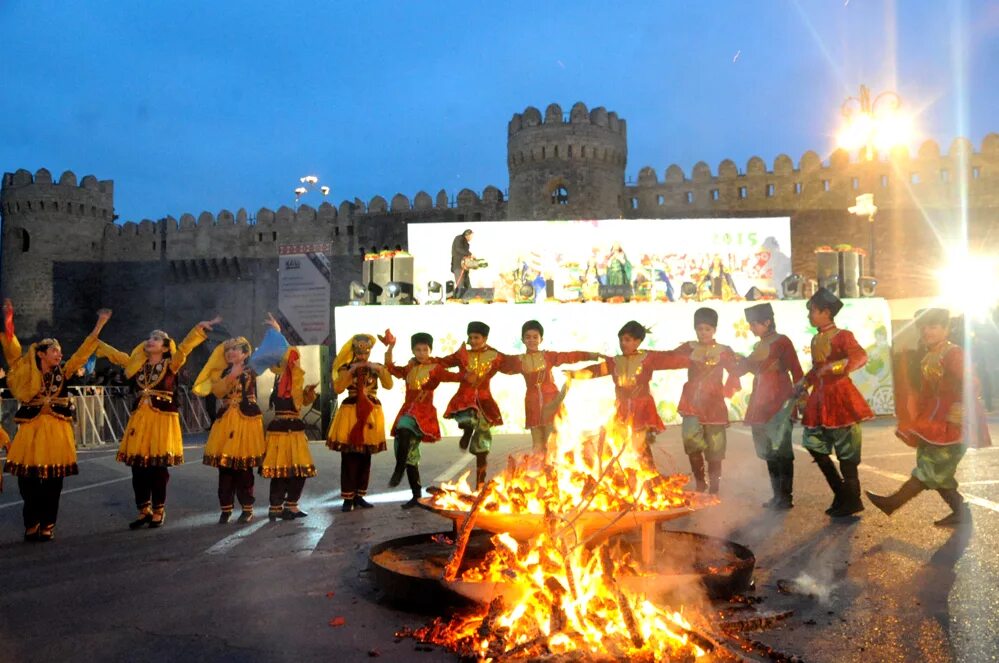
[(25, 194), (896, 179), (579, 116)]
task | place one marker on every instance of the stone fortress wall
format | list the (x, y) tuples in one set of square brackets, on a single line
[(64, 255)]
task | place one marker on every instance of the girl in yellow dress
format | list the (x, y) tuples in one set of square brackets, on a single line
[(152, 442), (358, 429), (236, 441), (43, 450), (287, 461)]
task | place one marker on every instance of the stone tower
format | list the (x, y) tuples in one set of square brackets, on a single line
[(52, 251), (563, 169)]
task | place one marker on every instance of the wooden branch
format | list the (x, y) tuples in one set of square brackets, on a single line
[(454, 563)]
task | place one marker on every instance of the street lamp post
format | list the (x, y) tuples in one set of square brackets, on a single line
[(870, 124)]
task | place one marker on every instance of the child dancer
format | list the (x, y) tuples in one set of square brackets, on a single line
[(632, 371), (834, 408), (152, 442), (536, 367), (287, 460), (472, 406), (775, 365), (702, 403), (417, 418), (43, 450), (236, 441), (937, 427), (358, 429)]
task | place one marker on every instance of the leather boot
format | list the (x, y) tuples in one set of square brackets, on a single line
[(466, 437), (833, 478), (697, 471), (850, 502), (481, 465), (892, 503), (714, 476), (773, 471), (413, 475), (960, 512), (786, 484), (401, 452)]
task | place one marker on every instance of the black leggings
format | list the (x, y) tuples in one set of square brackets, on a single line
[(41, 500), (150, 486)]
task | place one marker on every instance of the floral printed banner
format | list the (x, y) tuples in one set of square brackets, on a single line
[(593, 326)]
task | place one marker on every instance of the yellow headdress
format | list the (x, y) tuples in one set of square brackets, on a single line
[(216, 364), (138, 356), (24, 379), (347, 352)]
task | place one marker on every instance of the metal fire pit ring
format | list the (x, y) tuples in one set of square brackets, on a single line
[(409, 569)]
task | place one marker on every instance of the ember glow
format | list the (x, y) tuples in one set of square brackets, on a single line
[(565, 590)]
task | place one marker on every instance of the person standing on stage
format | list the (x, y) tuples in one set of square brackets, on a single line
[(358, 429), (536, 367), (417, 418), (776, 368), (236, 440), (702, 402), (460, 250), (937, 427), (835, 407), (43, 451), (472, 406), (632, 371), (152, 442), (618, 266)]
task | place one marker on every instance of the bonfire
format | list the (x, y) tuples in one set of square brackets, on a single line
[(563, 588)]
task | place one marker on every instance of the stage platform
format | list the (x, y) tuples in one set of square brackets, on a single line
[(593, 326)]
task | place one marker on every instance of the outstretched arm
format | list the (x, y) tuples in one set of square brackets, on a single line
[(89, 345), (194, 338), (11, 346)]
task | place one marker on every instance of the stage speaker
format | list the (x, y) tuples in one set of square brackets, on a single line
[(793, 286), (851, 268), (827, 270), (688, 289), (377, 272), (402, 273), (482, 293), (608, 291), (754, 294), (549, 288)]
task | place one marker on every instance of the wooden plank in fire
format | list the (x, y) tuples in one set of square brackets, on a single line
[(461, 543)]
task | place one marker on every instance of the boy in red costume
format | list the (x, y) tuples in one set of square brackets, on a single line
[(417, 418), (472, 406), (936, 428), (536, 367), (775, 365), (834, 408), (632, 372), (702, 402)]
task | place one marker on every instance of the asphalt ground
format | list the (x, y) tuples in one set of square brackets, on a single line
[(882, 589)]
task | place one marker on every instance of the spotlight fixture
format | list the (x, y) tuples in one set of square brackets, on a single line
[(374, 292), (393, 290), (793, 286), (449, 289), (688, 290), (754, 294), (868, 284), (435, 293), (357, 293)]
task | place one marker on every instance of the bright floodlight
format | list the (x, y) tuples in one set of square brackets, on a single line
[(871, 124), (969, 284), (301, 191)]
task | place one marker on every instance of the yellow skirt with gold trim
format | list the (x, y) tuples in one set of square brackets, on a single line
[(235, 441), (287, 455), (343, 423), (152, 439), (43, 448)]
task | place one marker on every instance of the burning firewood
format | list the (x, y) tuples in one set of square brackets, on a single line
[(454, 563)]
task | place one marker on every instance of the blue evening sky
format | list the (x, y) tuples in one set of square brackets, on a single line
[(192, 105)]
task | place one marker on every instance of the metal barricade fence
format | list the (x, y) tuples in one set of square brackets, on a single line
[(102, 413)]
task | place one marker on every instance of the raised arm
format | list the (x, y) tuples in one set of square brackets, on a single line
[(194, 338), (112, 354), (11, 346), (89, 345)]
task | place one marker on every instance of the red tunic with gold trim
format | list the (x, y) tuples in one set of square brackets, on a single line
[(834, 401), (939, 415), (704, 393), (771, 361), (421, 381), (536, 367), (477, 369), (632, 373)]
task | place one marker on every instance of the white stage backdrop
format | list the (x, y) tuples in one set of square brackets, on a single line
[(755, 251), (593, 326)]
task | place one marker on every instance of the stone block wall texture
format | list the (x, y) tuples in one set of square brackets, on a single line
[(63, 255)]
